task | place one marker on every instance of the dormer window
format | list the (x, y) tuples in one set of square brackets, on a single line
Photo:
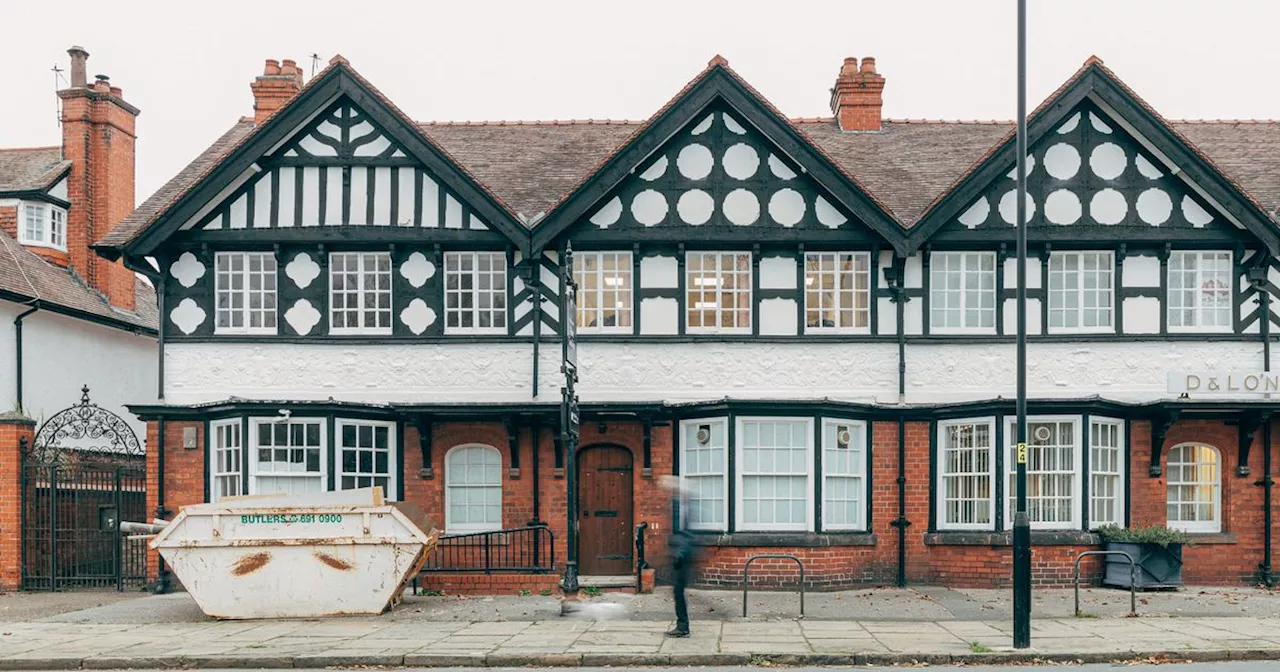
[(45, 225)]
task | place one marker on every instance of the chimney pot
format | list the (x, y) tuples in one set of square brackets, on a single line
[(856, 100), (78, 58), (117, 92), (274, 88)]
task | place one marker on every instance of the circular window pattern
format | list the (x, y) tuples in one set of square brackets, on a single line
[(741, 161), (1107, 161), (695, 161), (1108, 207), (741, 207), (695, 207), (649, 207)]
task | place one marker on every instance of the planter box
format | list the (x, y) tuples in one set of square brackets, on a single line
[(1158, 566)]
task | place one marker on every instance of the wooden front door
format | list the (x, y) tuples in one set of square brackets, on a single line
[(605, 515)]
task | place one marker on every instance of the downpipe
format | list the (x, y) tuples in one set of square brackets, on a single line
[(901, 522), (1265, 570), (17, 339)]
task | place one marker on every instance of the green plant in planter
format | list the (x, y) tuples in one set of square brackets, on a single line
[(1154, 534)]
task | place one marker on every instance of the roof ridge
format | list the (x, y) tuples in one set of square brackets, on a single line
[(1223, 121), (28, 149), (534, 122)]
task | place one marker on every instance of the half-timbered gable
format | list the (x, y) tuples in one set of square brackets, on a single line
[(1141, 254)]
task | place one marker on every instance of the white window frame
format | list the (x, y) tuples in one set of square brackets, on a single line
[(467, 528), (361, 291), (934, 274), (719, 309), (498, 262), (1198, 309), (1212, 526), (739, 522), (1080, 291), (1011, 470), (836, 292), (1122, 485), (246, 313), (217, 474), (723, 473), (53, 225), (392, 467), (860, 462), (255, 473), (941, 482), (622, 270)]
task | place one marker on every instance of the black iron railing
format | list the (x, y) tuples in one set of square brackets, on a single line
[(529, 549)]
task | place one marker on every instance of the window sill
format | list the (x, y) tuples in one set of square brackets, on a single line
[(1038, 538), (1213, 538), (785, 539)]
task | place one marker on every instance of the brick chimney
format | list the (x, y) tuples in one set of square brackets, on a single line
[(856, 99), (274, 87), (98, 139)]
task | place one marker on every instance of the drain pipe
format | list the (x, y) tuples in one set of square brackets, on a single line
[(896, 276), (17, 339), (1259, 277)]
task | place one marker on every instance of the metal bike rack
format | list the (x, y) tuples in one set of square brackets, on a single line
[(746, 578), (1133, 578)]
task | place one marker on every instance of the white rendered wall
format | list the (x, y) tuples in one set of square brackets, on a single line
[(1133, 371), (702, 371), (62, 354), (426, 373)]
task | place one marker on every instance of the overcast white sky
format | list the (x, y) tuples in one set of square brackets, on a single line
[(187, 65)]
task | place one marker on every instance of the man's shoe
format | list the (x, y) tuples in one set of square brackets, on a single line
[(678, 632)]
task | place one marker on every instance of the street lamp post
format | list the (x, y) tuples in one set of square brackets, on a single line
[(570, 420), (1021, 524)]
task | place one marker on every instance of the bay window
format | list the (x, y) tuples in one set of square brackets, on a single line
[(704, 466), (844, 469), (226, 474), (365, 454), (1053, 462), (287, 456), (774, 459), (1106, 472), (966, 464)]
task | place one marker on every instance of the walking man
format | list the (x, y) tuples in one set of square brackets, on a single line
[(680, 545)]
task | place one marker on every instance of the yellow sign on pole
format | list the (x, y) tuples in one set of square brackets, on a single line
[(1022, 453)]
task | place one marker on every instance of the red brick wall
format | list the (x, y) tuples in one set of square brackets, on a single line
[(9, 220), (183, 470), (462, 583), (12, 431), (826, 567)]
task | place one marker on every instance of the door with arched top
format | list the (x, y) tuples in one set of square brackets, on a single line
[(605, 513)]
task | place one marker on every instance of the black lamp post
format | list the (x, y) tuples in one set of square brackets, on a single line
[(1021, 523), (570, 420)]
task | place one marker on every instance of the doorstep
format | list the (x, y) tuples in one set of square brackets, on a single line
[(604, 581)]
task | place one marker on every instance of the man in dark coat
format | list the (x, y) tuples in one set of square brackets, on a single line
[(681, 547)]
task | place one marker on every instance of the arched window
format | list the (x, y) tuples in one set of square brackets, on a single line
[(473, 489), (1194, 496)]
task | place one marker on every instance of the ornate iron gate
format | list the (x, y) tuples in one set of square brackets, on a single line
[(85, 472)]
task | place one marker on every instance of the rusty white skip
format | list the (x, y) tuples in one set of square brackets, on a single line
[(281, 556)]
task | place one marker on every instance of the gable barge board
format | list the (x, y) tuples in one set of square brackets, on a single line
[(296, 113), (717, 84), (1147, 126)]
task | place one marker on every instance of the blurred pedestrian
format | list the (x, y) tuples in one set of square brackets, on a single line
[(681, 547)]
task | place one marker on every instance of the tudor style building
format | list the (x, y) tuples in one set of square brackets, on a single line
[(808, 320)]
